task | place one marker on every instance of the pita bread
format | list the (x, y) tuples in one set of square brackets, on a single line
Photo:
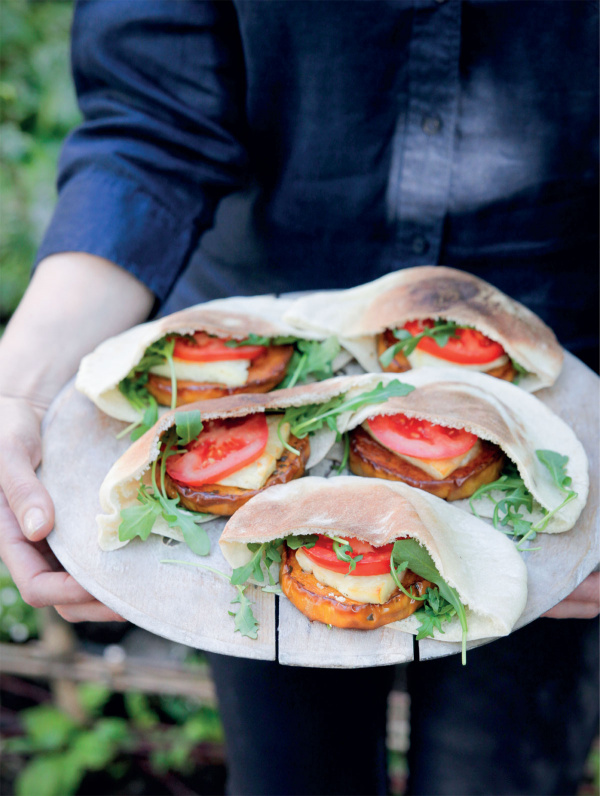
[(120, 487), (497, 411), (483, 566), (101, 371), (355, 316)]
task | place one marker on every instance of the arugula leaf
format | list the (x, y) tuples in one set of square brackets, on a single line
[(345, 457), (254, 568), (257, 339), (516, 495), (139, 520), (395, 573), (306, 420), (155, 503), (441, 332), (417, 558), (188, 425), (133, 386), (556, 464), (343, 551), (436, 611), (521, 371), (312, 358), (244, 619), (307, 540)]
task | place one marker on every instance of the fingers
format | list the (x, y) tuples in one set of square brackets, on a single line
[(38, 584), (92, 611), (582, 603), (20, 452)]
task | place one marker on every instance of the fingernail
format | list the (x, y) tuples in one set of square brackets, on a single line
[(34, 521)]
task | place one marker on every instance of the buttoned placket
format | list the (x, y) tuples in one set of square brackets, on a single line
[(421, 164)]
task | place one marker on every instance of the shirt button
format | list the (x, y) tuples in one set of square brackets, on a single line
[(419, 244), (431, 125)]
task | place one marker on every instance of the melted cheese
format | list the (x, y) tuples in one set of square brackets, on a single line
[(232, 373), (422, 359), (254, 475), (362, 588), (436, 468)]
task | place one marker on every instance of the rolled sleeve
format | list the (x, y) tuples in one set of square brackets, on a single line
[(161, 88)]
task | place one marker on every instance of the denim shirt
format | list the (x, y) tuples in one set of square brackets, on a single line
[(296, 145)]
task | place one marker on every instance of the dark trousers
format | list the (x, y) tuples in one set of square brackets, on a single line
[(518, 719)]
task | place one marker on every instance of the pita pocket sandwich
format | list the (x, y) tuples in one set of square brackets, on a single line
[(495, 449), (436, 316), (208, 459), (223, 347), (357, 553)]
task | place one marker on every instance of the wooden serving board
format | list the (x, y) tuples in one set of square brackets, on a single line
[(191, 605)]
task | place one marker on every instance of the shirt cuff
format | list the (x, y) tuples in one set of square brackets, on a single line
[(105, 214)]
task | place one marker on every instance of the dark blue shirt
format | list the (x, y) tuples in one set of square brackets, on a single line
[(338, 141)]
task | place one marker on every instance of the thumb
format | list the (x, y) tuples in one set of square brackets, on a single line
[(27, 497)]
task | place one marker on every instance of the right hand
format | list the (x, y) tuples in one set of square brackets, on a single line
[(27, 517)]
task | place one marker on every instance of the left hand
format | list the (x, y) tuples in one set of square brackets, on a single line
[(583, 603)]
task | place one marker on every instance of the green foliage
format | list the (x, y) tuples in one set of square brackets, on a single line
[(38, 109), (61, 751), (18, 621)]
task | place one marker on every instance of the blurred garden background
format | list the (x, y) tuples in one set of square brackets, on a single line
[(101, 709)]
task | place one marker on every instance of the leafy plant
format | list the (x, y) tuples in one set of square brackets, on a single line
[(60, 751), (306, 420), (134, 386), (153, 502), (18, 621), (38, 110), (507, 514), (409, 554), (311, 358)]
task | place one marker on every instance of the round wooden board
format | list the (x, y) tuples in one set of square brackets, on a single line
[(190, 605)]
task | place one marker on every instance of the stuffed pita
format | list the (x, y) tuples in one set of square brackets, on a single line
[(369, 320), (481, 567), (162, 485), (128, 374), (546, 456)]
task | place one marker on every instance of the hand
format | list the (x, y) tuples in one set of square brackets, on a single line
[(582, 603), (74, 301), (27, 517)]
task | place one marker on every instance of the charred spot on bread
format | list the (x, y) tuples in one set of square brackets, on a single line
[(264, 373), (325, 604), (225, 500), (370, 459), (442, 292)]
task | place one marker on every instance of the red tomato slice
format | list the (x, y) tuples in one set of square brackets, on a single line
[(419, 438), (471, 347), (223, 447), (213, 349), (375, 560)]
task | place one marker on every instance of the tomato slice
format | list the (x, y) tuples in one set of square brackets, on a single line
[(470, 347), (375, 560), (222, 447), (213, 349), (419, 438)]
